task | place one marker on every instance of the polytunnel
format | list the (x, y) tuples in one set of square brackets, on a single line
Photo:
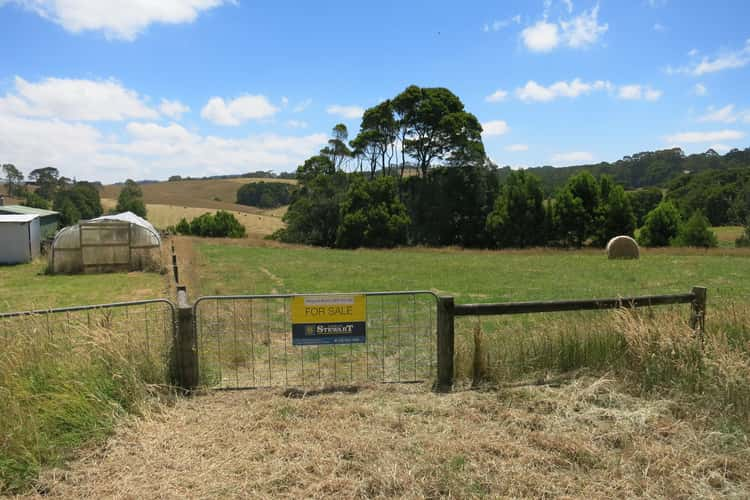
[(117, 242)]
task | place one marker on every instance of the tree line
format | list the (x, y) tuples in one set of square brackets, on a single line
[(418, 175)]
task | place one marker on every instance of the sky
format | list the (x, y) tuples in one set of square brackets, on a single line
[(112, 89)]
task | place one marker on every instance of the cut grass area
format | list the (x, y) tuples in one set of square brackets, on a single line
[(470, 276), (586, 439), (25, 286)]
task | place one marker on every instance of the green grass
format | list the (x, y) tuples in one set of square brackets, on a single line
[(25, 286), (468, 275)]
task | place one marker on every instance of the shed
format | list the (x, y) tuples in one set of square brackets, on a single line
[(118, 242), (48, 219), (19, 238)]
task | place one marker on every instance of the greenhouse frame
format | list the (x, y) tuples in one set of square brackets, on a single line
[(118, 242)]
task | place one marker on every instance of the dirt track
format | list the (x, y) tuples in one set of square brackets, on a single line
[(582, 440)]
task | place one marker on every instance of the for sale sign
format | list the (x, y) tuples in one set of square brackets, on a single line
[(329, 319)]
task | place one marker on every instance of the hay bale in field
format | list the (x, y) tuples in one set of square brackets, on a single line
[(623, 247)]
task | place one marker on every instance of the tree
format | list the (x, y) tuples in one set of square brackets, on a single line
[(643, 201), (577, 209), (314, 166), (519, 215), (696, 233), (372, 215), (46, 180), (83, 197), (314, 215), (661, 226), (434, 126), (13, 179), (264, 194), (33, 200), (379, 129), (617, 215), (131, 199), (337, 150)]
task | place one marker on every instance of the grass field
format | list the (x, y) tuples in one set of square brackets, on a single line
[(211, 194), (727, 235), (470, 276), (259, 223), (25, 286)]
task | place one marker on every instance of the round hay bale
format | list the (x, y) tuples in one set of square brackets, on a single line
[(623, 247)]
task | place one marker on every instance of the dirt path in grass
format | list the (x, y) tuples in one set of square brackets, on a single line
[(584, 439)]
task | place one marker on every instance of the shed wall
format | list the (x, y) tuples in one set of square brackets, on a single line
[(14, 242)]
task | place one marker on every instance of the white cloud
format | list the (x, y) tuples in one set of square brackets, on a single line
[(495, 127), (577, 32), (659, 27), (583, 30), (726, 60), (638, 92), (568, 6), (303, 105), (350, 112), (497, 25), (237, 111), (541, 37), (532, 91), (692, 52), (70, 99), (700, 89), (173, 109), (573, 157), (116, 18), (720, 148), (297, 124), (498, 96), (704, 137), (284, 101), (517, 147), (726, 114)]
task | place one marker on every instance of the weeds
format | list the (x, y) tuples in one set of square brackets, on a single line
[(58, 393)]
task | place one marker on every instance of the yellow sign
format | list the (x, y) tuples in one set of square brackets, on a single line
[(313, 309)]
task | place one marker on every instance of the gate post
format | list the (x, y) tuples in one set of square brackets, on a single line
[(445, 344), (698, 312), (186, 346)]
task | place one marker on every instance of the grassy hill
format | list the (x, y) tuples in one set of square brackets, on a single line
[(214, 194)]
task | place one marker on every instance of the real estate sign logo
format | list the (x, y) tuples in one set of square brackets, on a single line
[(329, 319)]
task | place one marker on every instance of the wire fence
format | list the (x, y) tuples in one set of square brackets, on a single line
[(145, 327), (246, 341)]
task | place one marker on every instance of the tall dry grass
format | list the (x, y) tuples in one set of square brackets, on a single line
[(655, 350), (58, 393)]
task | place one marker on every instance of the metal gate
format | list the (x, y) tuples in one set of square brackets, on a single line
[(245, 341)]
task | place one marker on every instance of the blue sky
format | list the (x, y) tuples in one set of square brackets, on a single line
[(201, 87)]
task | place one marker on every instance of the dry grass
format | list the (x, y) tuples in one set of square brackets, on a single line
[(586, 438), (212, 194)]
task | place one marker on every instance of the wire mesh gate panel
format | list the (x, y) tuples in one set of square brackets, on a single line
[(245, 341), (144, 329)]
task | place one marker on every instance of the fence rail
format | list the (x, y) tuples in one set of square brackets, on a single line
[(448, 310)]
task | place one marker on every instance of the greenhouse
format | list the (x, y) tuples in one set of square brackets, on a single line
[(119, 242)]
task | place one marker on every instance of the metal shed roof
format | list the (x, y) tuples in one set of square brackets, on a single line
[(16, 218), (22, 209)]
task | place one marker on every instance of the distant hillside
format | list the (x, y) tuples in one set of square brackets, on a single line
[(644, 169), (209, 193)]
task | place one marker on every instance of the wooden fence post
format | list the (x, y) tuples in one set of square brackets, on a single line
[(185, 345), (445, 344), (698, 312)]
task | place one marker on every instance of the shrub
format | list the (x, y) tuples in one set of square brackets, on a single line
[(131, 199), (662, 225), (221, 225), (696, 233)]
